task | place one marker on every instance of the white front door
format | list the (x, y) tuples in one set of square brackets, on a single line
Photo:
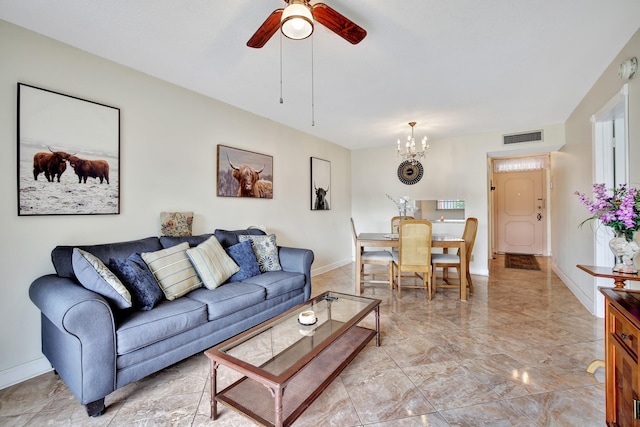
[(520, 212)]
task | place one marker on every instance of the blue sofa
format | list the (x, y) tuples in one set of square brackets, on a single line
[(97, 348)]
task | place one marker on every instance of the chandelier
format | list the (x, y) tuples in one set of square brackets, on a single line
[(410, 153)]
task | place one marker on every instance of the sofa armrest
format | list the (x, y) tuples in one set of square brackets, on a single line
[(78, 336), (298, 260)]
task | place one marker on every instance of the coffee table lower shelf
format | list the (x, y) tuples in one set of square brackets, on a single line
[(257, 402)]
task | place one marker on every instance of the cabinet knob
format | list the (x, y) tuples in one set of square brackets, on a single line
[(624, 336)]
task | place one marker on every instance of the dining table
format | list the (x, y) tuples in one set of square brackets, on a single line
[(386, 240)]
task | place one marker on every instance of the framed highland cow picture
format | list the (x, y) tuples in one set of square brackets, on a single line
[(320, 184), (244, 173), (68, 154)]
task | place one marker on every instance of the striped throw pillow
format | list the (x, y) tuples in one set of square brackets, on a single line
[(211, 261), (173, 270)]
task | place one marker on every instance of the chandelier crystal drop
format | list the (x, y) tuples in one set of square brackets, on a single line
[(410, 152)]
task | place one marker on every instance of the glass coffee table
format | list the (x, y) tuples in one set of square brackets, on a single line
[(287, 364)]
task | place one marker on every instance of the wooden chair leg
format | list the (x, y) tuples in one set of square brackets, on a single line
[(390, 270), (399, 283), (469, 281)]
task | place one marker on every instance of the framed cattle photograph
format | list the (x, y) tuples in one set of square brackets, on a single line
[(68, 154), (320, 184), (244, 173)]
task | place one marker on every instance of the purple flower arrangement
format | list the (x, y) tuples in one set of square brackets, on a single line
[(619, 209)]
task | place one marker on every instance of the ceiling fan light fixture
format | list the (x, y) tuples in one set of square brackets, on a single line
[(297, 21)]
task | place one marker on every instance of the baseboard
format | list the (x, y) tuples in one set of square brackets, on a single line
[(24, 372), (584, 299), (330, 267), (479, 271)]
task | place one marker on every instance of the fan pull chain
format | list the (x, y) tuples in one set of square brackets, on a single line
[(313, 109), (281, 100)]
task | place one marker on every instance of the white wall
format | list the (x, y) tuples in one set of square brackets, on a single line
[(454, 168), (168, 162), (572, 170)]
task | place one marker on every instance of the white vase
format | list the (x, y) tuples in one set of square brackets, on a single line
[(625, 253)]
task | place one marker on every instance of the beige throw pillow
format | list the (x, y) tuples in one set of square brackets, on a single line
[(173, 270), (211, 261)]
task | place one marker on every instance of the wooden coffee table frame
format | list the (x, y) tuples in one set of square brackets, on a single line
[(278, 400)]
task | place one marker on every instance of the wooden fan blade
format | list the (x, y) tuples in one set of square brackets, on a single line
[(266, 30), (338, 23)]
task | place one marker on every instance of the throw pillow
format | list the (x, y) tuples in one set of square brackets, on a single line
[(173, 270), (135, 275), (95, 276), (242, 254), (266, 250), (212, 263), (230, 237), (176, 223)]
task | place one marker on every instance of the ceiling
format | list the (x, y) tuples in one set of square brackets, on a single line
[(457, 67)]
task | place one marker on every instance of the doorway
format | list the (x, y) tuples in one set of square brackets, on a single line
[(520, 205)]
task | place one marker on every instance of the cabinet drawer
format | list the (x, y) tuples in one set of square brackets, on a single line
[(627, 333)]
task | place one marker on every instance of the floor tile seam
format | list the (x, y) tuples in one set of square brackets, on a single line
[(353, 406), (603, 410), (501, 380), (443, 413), (518, 410), (202, 395), (419, 390), (16, 416), (508, 400)]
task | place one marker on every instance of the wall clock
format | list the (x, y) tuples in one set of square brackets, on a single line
[(410, 172)]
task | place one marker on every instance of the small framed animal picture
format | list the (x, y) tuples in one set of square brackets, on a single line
[(320, 184), (244, 173), (68, 154)]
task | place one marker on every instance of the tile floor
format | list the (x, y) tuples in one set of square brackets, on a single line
[(514, 354)]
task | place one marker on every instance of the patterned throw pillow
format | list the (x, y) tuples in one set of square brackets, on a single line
[(266, 250), (95, 276), (176, 223), (212, 263), (173, 270), (242, 254), (135, 275)]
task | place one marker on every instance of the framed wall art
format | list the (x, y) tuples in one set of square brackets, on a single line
[(244, 173), (68, 154), (320, 184)]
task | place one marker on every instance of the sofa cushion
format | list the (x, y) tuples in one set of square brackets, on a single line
[(229, 298), (278, 282), (242, 254), (266, 250), (212, 263), (167, 319), (173, 270), (228, 238), (135, 275), (95, 276), (61, 255), (169, 241)]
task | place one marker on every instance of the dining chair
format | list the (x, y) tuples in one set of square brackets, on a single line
[(447, 261), (414, 255), (378, 257), (395, 222)]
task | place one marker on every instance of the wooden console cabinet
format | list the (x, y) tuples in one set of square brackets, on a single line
[(622, 332)]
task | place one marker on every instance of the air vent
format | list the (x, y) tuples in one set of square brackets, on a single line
[(519, 138)]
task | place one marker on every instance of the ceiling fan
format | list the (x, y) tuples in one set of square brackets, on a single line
[(296, 22)]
